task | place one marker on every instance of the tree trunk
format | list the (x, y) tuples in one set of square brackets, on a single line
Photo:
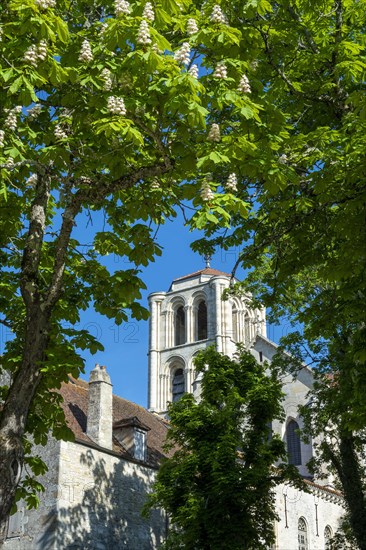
[(15, 411), (348, 468)]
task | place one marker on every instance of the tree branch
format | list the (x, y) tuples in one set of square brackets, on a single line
[(94, 193), (33, 245)]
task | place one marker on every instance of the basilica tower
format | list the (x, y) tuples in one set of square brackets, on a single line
[(190, 316)]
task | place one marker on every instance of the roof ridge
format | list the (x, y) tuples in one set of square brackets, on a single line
[(204, 271)]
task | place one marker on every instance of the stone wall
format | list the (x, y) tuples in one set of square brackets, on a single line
[(319, 508), (35, 529), (100, 501), (93, 500)]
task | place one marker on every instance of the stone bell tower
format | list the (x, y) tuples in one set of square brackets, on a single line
[(187, 318)]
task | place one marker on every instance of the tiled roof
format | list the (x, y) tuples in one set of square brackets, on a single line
[(205, 271), (75, 405)]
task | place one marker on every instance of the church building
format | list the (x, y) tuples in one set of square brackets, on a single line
[(96, 486)]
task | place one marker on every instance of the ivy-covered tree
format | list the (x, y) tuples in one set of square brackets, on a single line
[(218, 487)]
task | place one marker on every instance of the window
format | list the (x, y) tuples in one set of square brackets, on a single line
[(293, 443), (327, 537), (140, 444), (178, 384), (235, 320), (201, 321), (247, 329), (180, 326), (302, 534)]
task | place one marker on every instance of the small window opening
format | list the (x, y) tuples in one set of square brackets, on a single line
[(202, 321), (178, 385), (302, 535), (327, 537), (140, 444), (293, 443), (180, 326), (235, 325)]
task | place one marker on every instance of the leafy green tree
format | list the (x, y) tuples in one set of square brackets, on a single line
[(304, 239), (104, 114), (218, 487)]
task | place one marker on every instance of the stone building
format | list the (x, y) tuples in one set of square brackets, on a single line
[(191, 316), (96, 486)]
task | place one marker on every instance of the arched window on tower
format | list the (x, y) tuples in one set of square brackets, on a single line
[(327, 537), (177, 385), (247, 329), (293, 443), (201, 321), (235, 321), (180, 326), (302, 534)]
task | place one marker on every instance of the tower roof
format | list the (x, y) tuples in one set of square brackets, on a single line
[(206, 271)]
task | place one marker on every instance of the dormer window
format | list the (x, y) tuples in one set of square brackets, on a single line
[(132, 435), (140, 444)]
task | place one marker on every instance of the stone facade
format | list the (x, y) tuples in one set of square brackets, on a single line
[(320, 510), (173, 347)]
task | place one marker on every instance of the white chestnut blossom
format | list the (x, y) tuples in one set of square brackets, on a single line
[(214, 133), (116, 105), (244, 85), (193, 71), (155, 184), (183, 54), (217, 15), (2, 138), (9, 163), (148, 12), (103, 28), (143, 36), (206, 192), (192, 27), (283, 159), (35, 111), (155, 48), (44, 4), (220, 70), (231, 182), (86, 54), (42, 50), (11, 120), (32, 180), (60, 132), (122, 7), (31, 55), (106, 75)]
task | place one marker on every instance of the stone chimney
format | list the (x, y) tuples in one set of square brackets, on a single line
[(99, 423)]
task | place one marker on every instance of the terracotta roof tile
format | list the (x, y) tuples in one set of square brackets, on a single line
[(75, 395)]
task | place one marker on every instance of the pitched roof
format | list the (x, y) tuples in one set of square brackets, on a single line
[(205, 271), (75, 405)]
